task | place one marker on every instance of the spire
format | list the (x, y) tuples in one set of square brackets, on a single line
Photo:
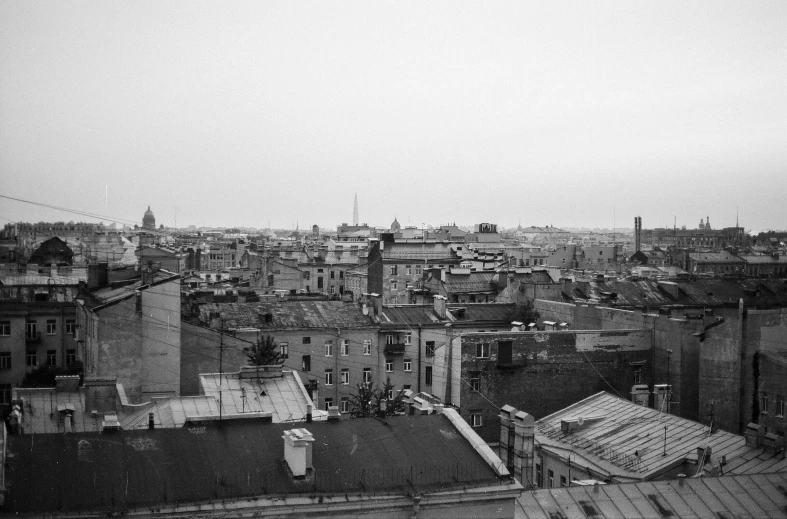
[(355, 210)]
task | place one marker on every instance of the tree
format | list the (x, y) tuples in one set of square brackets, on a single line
[(370, 401), (265, 352)]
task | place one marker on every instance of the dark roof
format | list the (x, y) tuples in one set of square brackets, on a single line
[(477, 282), (291, 314), (703, 292), (143, 468), (701, 498), (715, 257), (473, 313), (422, 252)]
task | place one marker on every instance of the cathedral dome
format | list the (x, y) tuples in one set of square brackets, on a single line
[(149, 221), (395, 225)]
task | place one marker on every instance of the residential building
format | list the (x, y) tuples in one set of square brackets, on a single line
[(331, 344), (166, 257), (717, 263), (132, 333), (765, 265)]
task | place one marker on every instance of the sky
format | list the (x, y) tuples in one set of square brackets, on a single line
[(580, 114)]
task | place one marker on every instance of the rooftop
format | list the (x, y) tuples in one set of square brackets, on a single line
[(627, 441), (426, 252), (473, 312), (288, 315), (699, 498), (241, 459)]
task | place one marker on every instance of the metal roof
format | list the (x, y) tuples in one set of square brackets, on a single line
[(199, 463), (473, 312), (699, 498), (627, 441), (290, 315), (428, 252)]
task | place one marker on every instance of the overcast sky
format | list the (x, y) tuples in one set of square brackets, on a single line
[(245, 113)]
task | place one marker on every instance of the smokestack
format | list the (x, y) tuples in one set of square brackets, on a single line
[(151, 422), (638, 233), (308, 413)]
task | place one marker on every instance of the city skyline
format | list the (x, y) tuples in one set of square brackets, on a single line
[(580, 116)]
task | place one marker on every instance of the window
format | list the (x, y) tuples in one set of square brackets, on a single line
[(476, 420), (418, 270), (328, 403), (328, 377), (71, 327), (306, 340), (550, 478), (5, 393), (428, 376), (482, 350), (319, 271), (764, 402), (341, 274), (345, 405), (390, 394), (51, 357), (638, 375), (388, 366), (407, 365), (408, 338), (389, 339), (408, 270), (345, 376), (475, 381), (306, 363), (393, 270), (284, 348), (367, 347), (394, 285), (71, 357), (51, 327), (31, 359), (5, 328), (345, 347), (32, 329), (329, 348), (367, 375), (539, 475), (430, 348), (5, 360), (332, 289), (333, 275), (780, 405)]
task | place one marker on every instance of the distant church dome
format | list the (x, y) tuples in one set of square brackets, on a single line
[(149, 221), (395, 225)]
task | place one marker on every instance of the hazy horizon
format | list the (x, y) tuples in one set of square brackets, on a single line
[(268, 113)]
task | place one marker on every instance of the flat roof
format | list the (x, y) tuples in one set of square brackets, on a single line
[(143, 468)]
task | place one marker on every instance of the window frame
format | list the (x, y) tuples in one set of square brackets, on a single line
[(71, 356), (482, 350), (428, 375), (329, 348), (367, 375), (31, 358), (345, 376), (367, 347), (51, 326), (476, 420), (407, 365), (430, 349), (328, 379), (51, 357), (306, 363), (389, 366), (71, 327), (5, 360), (284, 349), (5, 328), (345, 347)]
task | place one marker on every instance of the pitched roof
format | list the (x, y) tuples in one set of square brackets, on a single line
[(290, 315), (240, 459), (423, 252), (473, 313), (626, 440), (704, 498)]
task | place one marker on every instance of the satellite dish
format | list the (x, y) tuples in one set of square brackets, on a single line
[(365, 310)]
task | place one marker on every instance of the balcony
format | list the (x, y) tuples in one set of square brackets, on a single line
[(396, 348), (33, 338)]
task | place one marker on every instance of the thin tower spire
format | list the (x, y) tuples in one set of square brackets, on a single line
[(355, 210)]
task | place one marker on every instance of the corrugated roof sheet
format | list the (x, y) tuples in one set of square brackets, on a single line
[(290, 315), (723, 497), (242, 458), (628, 440)]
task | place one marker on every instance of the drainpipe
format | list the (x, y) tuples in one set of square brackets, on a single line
[(419, 359)]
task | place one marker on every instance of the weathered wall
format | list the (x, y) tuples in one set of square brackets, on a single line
[(200, 354), (550, 371)]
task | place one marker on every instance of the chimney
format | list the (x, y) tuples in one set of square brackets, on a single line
[(67, 424), (440, 306), (507, 431), (308, 413), (524, 438), (640, 394), (637, 233), (704, 453), (151, 422), (333, 414), (752, 435), (661, 397), (298, 451)]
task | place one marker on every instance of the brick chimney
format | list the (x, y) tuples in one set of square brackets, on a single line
[(298, 451), (640, 394), (524, 439)]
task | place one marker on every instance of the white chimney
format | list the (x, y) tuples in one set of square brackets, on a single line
[(440, 306), (298, 451)]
